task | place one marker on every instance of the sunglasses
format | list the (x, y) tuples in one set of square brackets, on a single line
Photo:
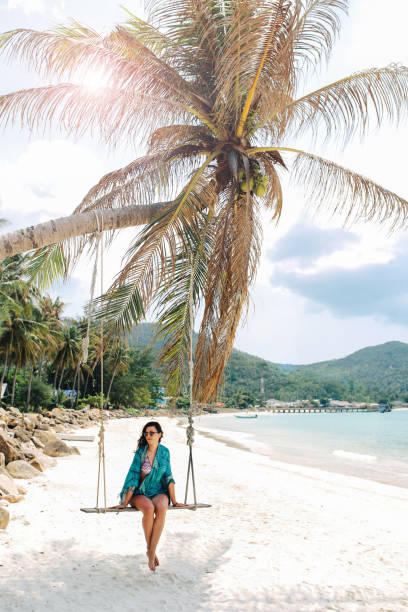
[(150, 433)]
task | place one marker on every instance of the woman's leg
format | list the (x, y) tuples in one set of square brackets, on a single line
[(145, 505), (161, 503)]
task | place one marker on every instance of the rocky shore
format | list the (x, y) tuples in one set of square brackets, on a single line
[(30, 443)]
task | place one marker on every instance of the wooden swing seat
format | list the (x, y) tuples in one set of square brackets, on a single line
[(103, 511)]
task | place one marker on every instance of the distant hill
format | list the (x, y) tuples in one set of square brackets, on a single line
[(382, 369), (374, 373)]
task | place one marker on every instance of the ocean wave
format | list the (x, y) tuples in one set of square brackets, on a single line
[(354, 456)]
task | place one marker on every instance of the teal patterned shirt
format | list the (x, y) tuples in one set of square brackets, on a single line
[(157, 481)]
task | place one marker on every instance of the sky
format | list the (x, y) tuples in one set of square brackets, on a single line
[(324, 288)]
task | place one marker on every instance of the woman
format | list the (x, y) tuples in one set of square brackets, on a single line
[(149, 486)]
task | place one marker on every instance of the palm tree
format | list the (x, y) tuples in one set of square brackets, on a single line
[(20, 336), (214, 87), (49, 312), (118, 363), (68, 351)]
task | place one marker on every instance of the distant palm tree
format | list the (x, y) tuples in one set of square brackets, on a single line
[(21, 338), (215, 89), (68, 351), (118, 363), (49, 312)]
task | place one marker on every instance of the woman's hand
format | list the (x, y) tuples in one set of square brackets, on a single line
[(179, 505), (120, 507)]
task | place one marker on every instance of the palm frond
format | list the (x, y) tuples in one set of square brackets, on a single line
[(145, 271), (277, 20), (177, 299), (332, 187), (316, 28), (115, 115), (231, 270), (344, 108), (47, 265), (119, 309), (124, 61)]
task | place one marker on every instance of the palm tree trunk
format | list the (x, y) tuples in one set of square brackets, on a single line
[(29, 388), (110, 385), (44, 234), (4, 369), (40, 365), (86, 384), (14, 385), (73, 385), (60, 380), (55, 378), (78, 387)]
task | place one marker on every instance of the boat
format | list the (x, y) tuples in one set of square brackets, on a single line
[(383, 409), (245, 416)]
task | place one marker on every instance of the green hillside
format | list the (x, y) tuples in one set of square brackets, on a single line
[(382, 370), (374, 373)]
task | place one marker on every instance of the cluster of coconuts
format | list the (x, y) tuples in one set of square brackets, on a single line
[(258, 182)]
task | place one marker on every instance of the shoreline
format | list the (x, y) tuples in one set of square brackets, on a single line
[(246, 442)]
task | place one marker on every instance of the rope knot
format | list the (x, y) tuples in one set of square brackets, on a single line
[(190, 435)]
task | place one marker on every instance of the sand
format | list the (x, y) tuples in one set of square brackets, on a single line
[(278, 537)]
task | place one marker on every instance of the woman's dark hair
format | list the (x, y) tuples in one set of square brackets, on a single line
[(142, 440)]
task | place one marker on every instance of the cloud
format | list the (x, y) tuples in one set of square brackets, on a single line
[(377, 289), (41, 191), (307, 243), (29, 7)]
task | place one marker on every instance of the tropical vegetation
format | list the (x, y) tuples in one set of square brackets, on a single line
[(215, 90), (42, 357)]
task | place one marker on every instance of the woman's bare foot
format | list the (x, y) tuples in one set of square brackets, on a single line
[(152, 562), (156, 559)]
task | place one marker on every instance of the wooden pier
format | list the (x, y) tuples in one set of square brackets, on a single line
[(319, 409)]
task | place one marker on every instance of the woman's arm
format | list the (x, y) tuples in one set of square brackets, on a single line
[(131, 482), (172, 493), (126, 500)]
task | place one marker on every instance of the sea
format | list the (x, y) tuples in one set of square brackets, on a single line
[(371, 445)]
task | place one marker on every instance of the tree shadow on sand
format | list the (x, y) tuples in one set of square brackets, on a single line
[(66, 578)]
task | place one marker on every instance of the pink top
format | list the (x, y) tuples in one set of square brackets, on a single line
[(146, 467)]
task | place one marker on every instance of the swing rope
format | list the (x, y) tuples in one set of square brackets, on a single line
[(101, 442), (85, 345), (190, 427)]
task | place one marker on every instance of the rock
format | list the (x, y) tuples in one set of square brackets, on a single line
[(45, 436), (37, 442), (13, 410), (13, 421), (57, 448), (21, 490), (29, 423), (2, 460), (28, 456), (13, 499), (7, 485), (74, 450), (42, 462), (22, 434), (8, 449), (4, 517), (43, 426), (22, 469), (59, 428)]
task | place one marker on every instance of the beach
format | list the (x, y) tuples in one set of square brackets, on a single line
[(278, 536)]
